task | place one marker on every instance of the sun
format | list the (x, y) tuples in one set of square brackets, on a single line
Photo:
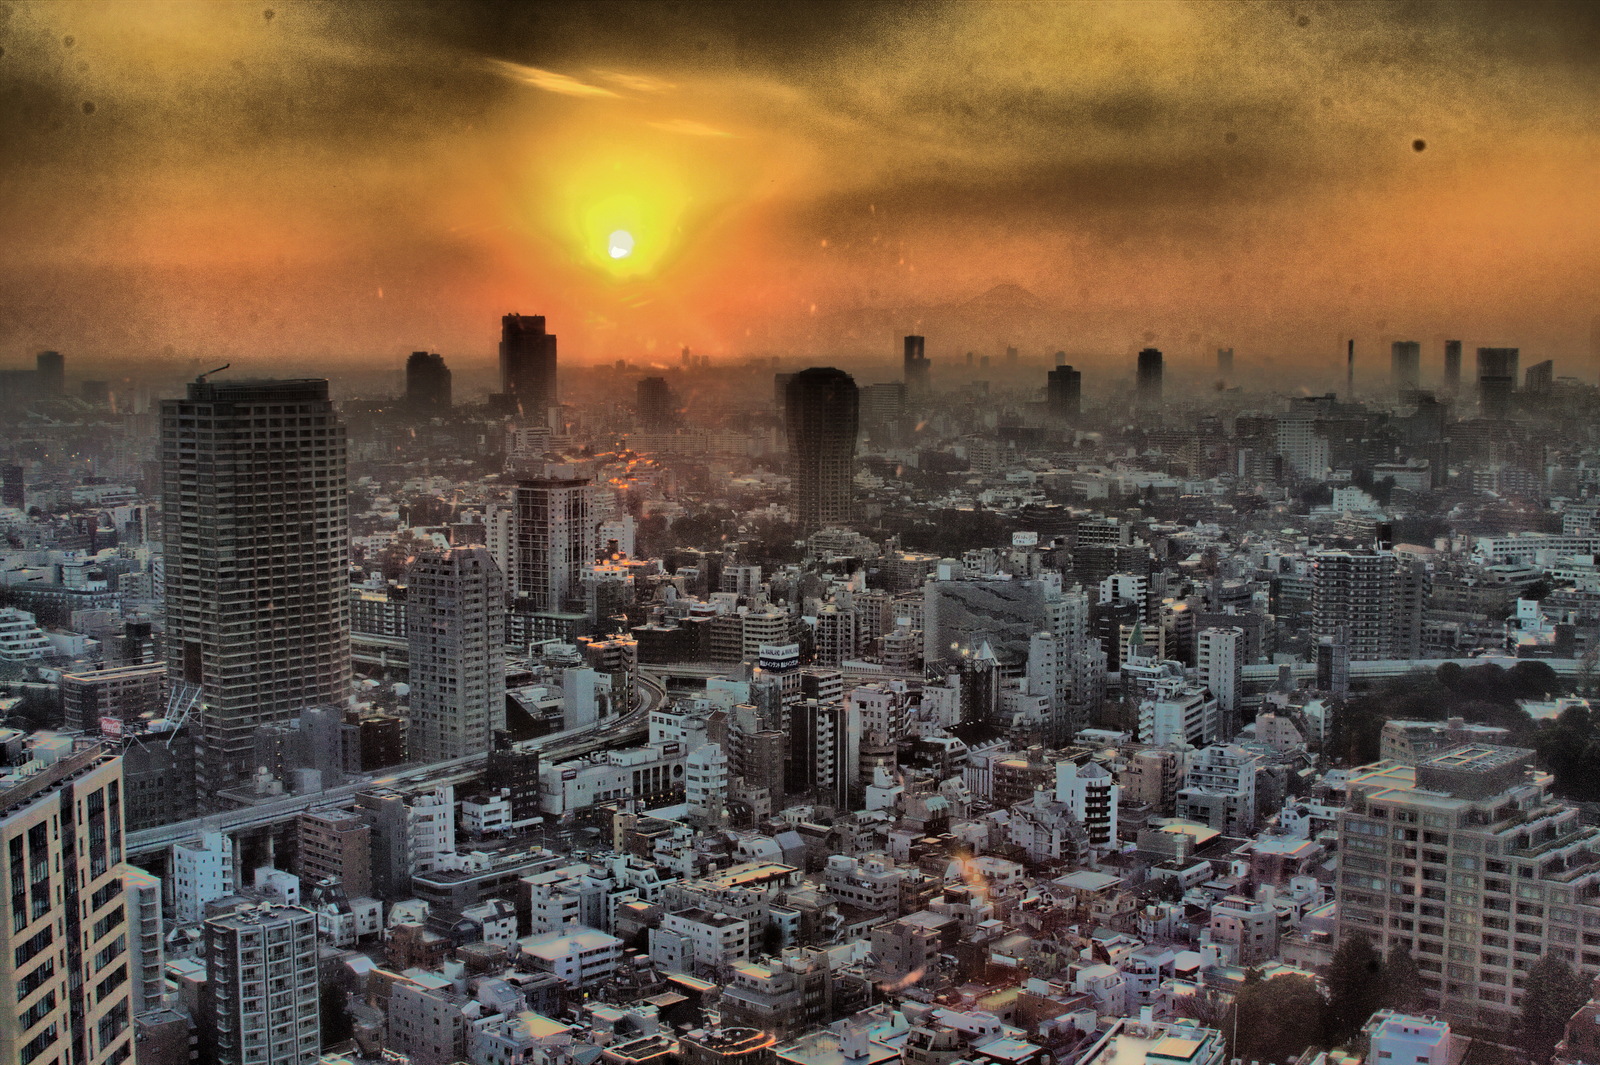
[(621, 244)]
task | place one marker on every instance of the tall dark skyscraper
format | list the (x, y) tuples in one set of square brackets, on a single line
[(528, 366), (1498, 362), (915, 366), (1147, 391), (1064, 393), (655, 405), (1405, 364), (822, 414), (1541, 377), (1497, 379), (256, 525), (1452, 366), (427, 383), (1225, 364), (50, 373)]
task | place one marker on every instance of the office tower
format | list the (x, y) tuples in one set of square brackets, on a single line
[(1541, 378), (1494, 396), (63, 947), (1350, 370), (455, 630), (555, 541), (654, 405), (528, 366), (821, 414), (1225, 364), (1370, 599), (1405, 364), (13, 486), (1452, 366), (256, 525), (260, 1005), (1147, 391), (915, 366), (50, 373), (1011, 355), (1064, 393), (882, 406), (1531, 863), (1498, 362), (427, 384)]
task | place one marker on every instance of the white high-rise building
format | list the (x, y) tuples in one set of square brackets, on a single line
[(555, 541), (147, 936), (260, 1004), (455, 620), (705, 774), (64, 940), (256, 563), (1219, 652), (1219, 789), (1175, 712), (202, 871), (1093, 795), (500, 536), (1304, 450)]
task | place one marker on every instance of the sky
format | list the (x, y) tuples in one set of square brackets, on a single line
[(352, 181)]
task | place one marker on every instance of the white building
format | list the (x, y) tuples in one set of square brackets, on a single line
[(706, 781), (1401, 1039), (1092, 794), (1219, 652), (145, 928), (1176, 712), (1219, 790), (580, 957), (262, 992), (697, 941), (433, 828), (202, 871)]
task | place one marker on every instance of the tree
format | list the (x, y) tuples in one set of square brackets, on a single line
[(1552, 994), (337, 1023), (1402, 984), (1355, 987), (1275, 1020)]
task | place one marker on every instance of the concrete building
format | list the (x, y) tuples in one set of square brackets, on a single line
[(1369, 601), (527, 368), (63, 946), (202, 872), (147, 941), (1092, 795), (580, 958), (336, 845), (1219, 653), (1471, 842), (260, 1005), (555, 542), (256, 530), (1219, 790), (119, 694), (1402, 1039), (700, 942), (456, 636)]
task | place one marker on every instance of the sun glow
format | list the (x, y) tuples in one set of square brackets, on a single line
[(624, 210)]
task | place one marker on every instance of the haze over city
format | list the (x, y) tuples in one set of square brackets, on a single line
[(312, 182)]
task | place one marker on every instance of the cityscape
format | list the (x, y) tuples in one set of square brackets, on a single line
[(913, 614)]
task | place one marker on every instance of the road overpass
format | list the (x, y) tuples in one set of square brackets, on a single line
[(557, 746)]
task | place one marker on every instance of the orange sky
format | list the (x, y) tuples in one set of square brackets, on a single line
[(250, 180)]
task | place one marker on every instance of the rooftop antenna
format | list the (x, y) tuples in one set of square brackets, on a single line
[(1350, 372), (202, 378)]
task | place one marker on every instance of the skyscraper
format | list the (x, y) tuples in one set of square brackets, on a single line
[(1370, 600), (1225, 364), (1405, 364), (654, 404), (915, 366), (555, 541), (1147, 390), (822, 415), (455, 621), (1452, 366), (1541, 377), (260, 1004), (50, 373), (256, 525), (63, 956), (427, 383), (528, 366), (1064, 393)]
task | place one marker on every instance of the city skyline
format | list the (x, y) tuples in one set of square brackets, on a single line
[(1183, 176)]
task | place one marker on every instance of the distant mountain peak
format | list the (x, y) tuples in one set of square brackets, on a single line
[(1007, 295)]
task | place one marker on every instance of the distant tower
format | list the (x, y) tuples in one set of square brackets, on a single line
[(528, 366), (455, 626), (555, 540), (1452, 366), (1225, 365), (915, 366), (822, 414), (1541, 378), (1064, 393), (654, 403), (257, 556), (1497, 379), (1405, 364), (1011, 355), (50, 373), (1350, 371), (1061, 358), (427, 383), (1148, 388)]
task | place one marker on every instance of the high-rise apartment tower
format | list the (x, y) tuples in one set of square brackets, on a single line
[(821, 415)]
